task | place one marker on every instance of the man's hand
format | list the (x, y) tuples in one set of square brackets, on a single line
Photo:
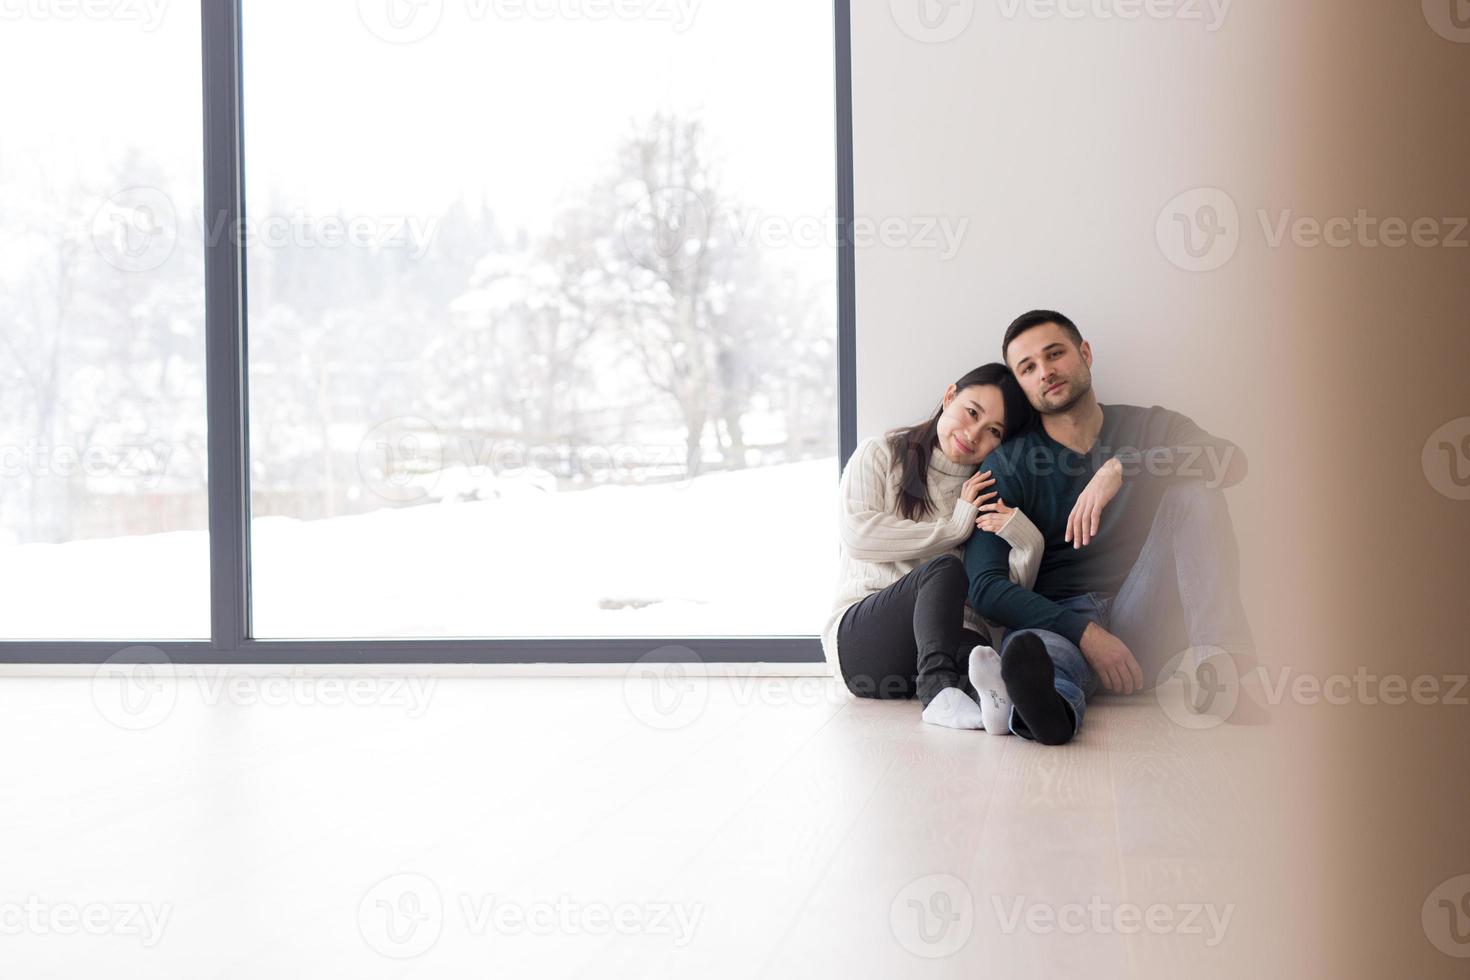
[(1112, 660), (1087, 511)]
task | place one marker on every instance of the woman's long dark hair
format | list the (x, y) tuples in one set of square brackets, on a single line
[(912, 447)]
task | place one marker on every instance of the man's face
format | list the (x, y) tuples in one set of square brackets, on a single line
[(1053, 371)]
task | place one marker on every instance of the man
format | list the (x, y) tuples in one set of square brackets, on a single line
[(1140, 559)]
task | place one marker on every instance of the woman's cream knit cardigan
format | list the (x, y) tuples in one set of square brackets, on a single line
[(878, 547)]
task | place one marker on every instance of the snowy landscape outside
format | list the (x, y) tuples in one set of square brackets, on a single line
[(528, 355)]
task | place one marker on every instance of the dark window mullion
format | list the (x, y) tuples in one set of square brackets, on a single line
[(224, 311)]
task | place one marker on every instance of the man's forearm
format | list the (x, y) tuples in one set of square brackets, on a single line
[(1002, 601)]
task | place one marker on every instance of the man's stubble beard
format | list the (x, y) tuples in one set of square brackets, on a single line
[(1080, 388)]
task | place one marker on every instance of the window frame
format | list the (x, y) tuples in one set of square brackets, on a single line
[(227, 395)]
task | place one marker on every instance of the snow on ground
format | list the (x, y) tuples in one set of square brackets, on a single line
[(740, 553)]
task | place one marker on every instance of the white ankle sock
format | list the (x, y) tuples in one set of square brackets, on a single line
[(953, 708), (995, 704)]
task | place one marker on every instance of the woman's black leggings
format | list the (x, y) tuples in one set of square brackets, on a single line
[(910, 638)]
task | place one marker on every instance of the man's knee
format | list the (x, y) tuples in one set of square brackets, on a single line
[(1047, 637), (1194, 494)]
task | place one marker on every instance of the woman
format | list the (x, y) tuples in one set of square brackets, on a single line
[(909, 501)]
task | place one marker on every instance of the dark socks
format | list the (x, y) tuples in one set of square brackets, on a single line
[(1030, 679)]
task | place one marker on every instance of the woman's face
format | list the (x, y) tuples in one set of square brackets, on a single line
[(972, 424)]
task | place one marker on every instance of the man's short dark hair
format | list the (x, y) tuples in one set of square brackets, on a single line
[(1036, 318)]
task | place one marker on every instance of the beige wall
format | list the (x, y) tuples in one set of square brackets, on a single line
[(1061, 141)]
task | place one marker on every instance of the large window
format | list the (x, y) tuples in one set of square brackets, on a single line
[(522, 321), (103, 510)]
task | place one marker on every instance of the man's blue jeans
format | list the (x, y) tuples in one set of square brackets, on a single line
[(1182, 592)]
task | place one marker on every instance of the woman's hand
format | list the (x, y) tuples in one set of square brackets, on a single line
[(994, 516), (1082, 523), (970, 492)]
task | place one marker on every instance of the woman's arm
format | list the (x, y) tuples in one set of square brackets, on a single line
[(1027, 545), (1016, 530), (870, 532)]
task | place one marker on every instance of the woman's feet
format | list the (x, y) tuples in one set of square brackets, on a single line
[(953, 708)]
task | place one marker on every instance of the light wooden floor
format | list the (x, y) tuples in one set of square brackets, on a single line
[(799, 832)]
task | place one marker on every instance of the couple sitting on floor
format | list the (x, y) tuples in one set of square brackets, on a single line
[(1090, 548)]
